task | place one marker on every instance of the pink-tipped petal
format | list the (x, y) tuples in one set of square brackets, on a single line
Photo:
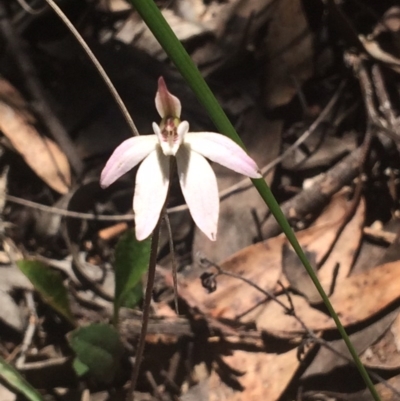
[(167, 104), (152, 182), (126, 156), (199, 187), (224, 151)]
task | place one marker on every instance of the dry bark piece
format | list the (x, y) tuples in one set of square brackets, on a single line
[(323, 149), (45, 158), (318, 195)]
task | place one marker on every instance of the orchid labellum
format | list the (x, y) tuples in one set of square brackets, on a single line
[(197, 179)]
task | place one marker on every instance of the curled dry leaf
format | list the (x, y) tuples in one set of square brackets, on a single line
[(42, 155)]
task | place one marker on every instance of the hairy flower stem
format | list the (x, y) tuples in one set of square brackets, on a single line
[(146, 311)]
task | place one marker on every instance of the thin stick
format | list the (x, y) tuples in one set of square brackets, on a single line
[(146, 312), (26, 7), (174, 264), (30, 331), (67, 213), (97, 65)]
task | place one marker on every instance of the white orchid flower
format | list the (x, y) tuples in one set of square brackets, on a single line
[(172, 139)]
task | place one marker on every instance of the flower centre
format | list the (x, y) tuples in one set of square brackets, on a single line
[(169, 130), (169, 138)]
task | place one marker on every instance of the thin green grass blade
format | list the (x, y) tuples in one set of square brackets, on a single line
[(11, 376), (178, 55)]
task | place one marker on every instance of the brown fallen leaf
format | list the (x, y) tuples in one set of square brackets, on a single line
[(42, 155), (325, 361), (320, 237), (262, 264), (317, 242), (290, 53), (297, 275), (395, 330), (229, 22), (356, 299), (385, 393), (385, 353), (265, 376), (344, 251)]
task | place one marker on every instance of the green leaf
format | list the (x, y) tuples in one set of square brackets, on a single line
[(98, 351), (133, 297), (16, 381), (49, 284), (131, 262), (80, 368)]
